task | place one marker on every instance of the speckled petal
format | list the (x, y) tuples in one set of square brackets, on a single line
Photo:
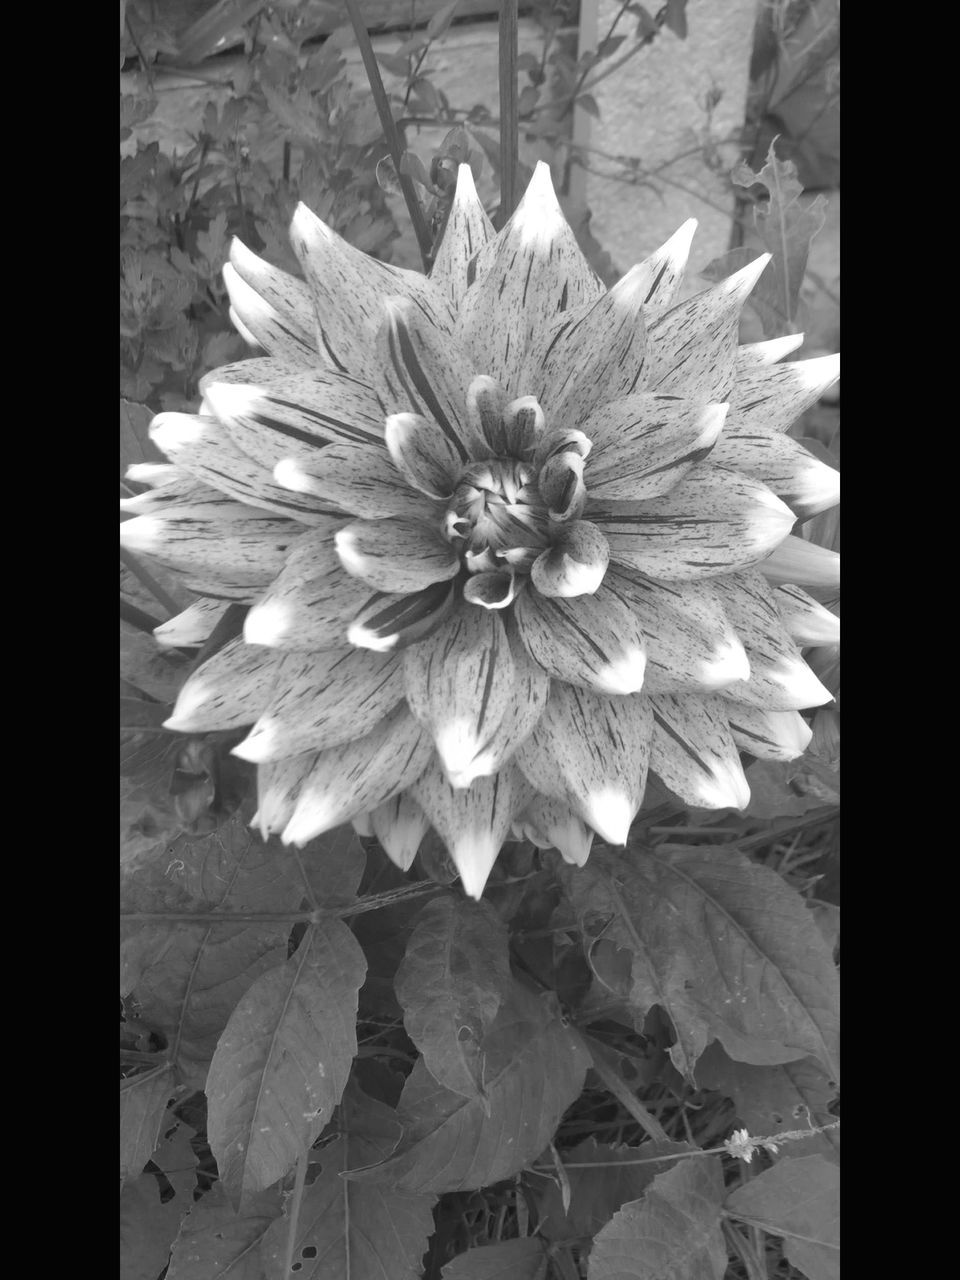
[(396, 554), (805, 484), (468, 229), (768, 735), (643, 445), (550, 824), (391, 622), (229, 690), (694, 754), (575, 563), (773, 396), (801, 563), (358, 479), (592, 641), (400, 825), (271, 309), (192, 627), (806, 620)]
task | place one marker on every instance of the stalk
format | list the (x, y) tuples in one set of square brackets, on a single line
[(509, 116)]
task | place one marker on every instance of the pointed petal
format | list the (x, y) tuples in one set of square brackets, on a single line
[(203, 447), (472, 822), (191, 539), (274, 412), (459, 683), (591, 752), (531, 271), (322, 700), (774, 396), (468, 229), (289, 297), (396, 554), (691, 645), (310, 603), (192, 627), (694, 754), (349, 287), (779, 678), (278, 789), (256, 348), (692, 349), (643, 445), (423, 454), (575, 564), (805, 619), (390, 622), (713, 521), (593, 641), (530, 693), (802, 564), (357, 479), (549, 824), (768, 735), (486, 407), (657, 279), (287, 333), (229, 690), (359, 776), (400, 825), (804, 483), (761, 353)]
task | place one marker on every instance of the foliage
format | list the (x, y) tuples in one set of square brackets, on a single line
[(330, 1067)]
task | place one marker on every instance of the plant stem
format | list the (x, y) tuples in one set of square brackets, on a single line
[(390, 131), (294, 1211), (509, 118)]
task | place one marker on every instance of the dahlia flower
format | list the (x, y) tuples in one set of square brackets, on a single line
[(509, 540)]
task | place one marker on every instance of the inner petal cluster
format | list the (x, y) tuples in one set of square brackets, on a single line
[(496, 515)]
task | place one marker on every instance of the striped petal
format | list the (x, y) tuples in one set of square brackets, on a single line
[(192, 540), (768, 735), (468, 229), (423, 454), (192, 627), (530, 272), (692, 349), (229, 690), (400, 825), (204, 447), (472, 822), (644, 444), (459, 683), (592, 641), (391, 623), (561, 486), (805, 484), (713, 521), (349, 289), (694, 754), (310, 603), (486, 406), (278, 789), (802, 564), (688, 637), (591, 752), (531, 690), (283, 328), (357, 479), (773, 396), (779, 678), (322, 700), (804, 619), (657, 279), (396, 554), (359, 776), (575, 564), (277, 412), (763, 353), (550, 824)]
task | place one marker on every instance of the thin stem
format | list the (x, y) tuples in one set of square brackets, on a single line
[(509, 114), (390, 131), (294, 1214)]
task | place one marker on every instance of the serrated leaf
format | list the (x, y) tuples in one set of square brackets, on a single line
[(673, 1233), (283, 1059), (533, 1070), (769, 1100), (597, 1193), (524, 1259), (366, 1232), (800, 1201), (216, 1243), (143, 1102), (724, 946), (451, 985)]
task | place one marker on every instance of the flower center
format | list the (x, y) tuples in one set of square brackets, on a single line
[(496, 516)]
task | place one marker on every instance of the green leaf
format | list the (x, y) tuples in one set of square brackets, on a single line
[(724, 946), (524, 1259), (800, 1201), (148, 1227), (676, 17), (442, 19), (283, 1059), (451, 985), (533, 1070), (673, 1233), (351, 1229), (143, 1102), (216, 1243)]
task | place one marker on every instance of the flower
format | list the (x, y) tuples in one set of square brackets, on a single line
[(509, 539)]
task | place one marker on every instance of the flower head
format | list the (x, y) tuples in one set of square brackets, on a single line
[(508, 539)]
